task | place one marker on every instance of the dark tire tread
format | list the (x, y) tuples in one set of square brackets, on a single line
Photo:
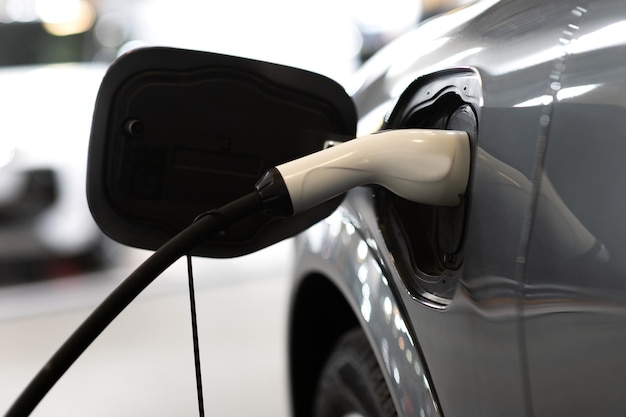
[(353, 382)]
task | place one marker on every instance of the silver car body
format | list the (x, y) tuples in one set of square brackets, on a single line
[(531, 318)]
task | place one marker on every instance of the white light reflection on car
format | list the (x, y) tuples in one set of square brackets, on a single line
[(375, 303)]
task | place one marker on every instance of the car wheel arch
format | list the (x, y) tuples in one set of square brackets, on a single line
[(327, 325), (314, 329)]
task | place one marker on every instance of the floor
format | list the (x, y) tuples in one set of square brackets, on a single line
[(142, 364)]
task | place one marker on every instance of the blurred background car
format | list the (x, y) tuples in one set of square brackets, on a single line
[(42, 175), (48, 89)]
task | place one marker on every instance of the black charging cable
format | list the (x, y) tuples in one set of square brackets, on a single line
[(194, 336), (181, 244)]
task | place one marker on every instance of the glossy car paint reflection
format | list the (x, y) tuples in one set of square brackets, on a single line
[(537, 324), (576, 299)]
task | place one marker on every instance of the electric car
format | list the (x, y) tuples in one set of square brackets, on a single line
[(514, 302), (511, 301)]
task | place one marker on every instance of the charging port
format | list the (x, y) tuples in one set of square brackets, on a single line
[(427, 240)]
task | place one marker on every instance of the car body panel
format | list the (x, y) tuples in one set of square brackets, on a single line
[(575, 275), (540, 298), (336, 248)]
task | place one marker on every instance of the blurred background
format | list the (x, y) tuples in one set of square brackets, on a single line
[(55, 264)]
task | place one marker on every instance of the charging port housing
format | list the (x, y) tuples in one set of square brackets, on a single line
[(428, 241)]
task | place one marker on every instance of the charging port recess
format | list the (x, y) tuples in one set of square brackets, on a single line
[(428, 240)]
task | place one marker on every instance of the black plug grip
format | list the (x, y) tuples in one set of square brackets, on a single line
[(274, 194)]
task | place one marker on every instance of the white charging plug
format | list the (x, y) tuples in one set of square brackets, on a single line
[(425, 166)]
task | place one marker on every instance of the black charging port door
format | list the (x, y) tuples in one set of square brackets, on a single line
[(177, 133)]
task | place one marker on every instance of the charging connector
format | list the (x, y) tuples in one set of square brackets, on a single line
[(425, 166)]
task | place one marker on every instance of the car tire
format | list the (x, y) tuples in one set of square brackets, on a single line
[(351, 383)]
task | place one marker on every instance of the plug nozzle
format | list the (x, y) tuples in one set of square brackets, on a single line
[(424, 166)]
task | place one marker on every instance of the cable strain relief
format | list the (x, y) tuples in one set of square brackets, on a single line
[(274, 194)]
